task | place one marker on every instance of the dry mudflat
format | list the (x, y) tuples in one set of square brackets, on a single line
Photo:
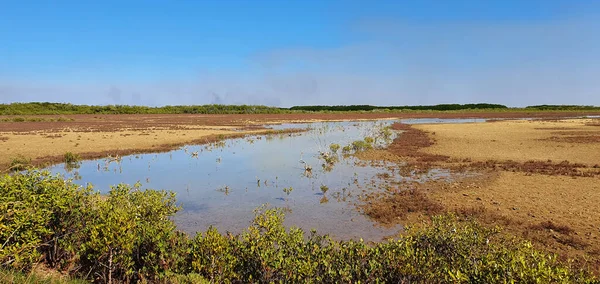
[(538, 179), (576, 141)]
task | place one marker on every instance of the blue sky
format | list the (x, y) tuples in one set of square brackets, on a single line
[(284, 53)]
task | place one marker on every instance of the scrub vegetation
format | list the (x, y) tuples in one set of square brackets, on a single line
[(34, 119), (128, 235), (47, 108), (563, 107), (441, 107), (62, 108)]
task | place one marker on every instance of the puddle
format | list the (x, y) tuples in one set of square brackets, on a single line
[(222, 183)]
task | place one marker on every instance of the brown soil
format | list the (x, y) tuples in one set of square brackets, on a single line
[(564, 168), (552, 204), (112, 122), (409, 143), (576, 139)]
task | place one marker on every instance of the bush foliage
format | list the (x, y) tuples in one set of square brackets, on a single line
[(563, 107), (47, 108), (62, 108), (128, 236), (441, 107)]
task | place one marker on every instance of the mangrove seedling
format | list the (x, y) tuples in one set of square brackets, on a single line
[(346, 149), (324, 189), (71, 158), (334, 148), (288, 190)]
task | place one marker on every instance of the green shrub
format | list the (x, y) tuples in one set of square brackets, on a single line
[(131, 236), (440, 107), (386, 133), (446, 251), (346, 149), (40, 213), (334, 147), (48, 108), (71, 158), (72, 161), (362, 145), (128, 236)]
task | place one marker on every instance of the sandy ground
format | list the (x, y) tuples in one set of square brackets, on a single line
[(523, 203), (518, 140), (41, 145), (557, 212)]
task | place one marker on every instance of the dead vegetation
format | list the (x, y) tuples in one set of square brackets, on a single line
[(551, 226), (389, 209), (576, 139), (564, 168)]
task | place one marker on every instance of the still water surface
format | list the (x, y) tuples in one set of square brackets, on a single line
[(222, 183)]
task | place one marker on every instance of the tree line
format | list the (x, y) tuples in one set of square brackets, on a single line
[(49, 108), (440, 107), (65, 108)]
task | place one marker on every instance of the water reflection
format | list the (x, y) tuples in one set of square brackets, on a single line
[(221, 183)]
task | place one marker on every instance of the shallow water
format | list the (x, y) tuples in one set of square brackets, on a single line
[(222, 183)]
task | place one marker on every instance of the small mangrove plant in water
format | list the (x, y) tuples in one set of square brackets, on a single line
[(288, 190), (72, 161), (362, 145), (329, 160), (324, 189), (334, 148)]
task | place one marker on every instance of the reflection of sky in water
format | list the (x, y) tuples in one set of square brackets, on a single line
[(220, 186)]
